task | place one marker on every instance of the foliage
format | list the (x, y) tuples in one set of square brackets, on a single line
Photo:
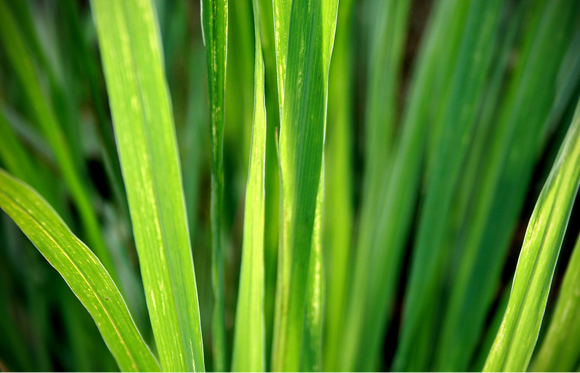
[(341, 185)]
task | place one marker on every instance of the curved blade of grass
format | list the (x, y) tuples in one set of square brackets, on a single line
[(249, 354), (81, 269), (214, 16), (505, 175), (516, 339), (559, 351), (143, 121), (22, 63), (303, 110)]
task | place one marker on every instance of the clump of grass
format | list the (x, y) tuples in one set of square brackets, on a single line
[(349, 203)]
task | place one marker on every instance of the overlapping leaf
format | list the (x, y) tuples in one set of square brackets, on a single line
[(309, 27), (143, 122), (249, 344)]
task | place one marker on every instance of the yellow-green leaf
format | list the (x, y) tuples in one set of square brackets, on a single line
[(143, 121), (82, 271), (249, 353), (516, 339)]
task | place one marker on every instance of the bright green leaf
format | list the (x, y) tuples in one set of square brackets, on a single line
[(82, 271), (249, 354), (311, 30), (518, 333), (143, 122)]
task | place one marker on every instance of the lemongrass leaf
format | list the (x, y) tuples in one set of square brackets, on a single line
[(508, 166), (311, 354), (249, 354), (303, 110), (214, 16), (130, 47), (82, 271), (338, 209), (516, 339), (387, 33), (430, 253)]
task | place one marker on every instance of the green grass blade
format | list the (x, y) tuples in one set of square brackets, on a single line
[(22, 63), (214, 16), (518, 333), (380, 252), (387, 39), (303, 107), (194, 137), (272, 227), (282, 10), (456, 340), (240, 85), (338, 191), (311, 354), (559, 351), (249, 354), (81, 269), (458, 122), (491, 332), (143, 121), (507, 167)]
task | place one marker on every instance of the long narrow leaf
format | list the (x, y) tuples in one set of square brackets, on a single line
[(380, 251), (430, 253), (214, 16), (311, 354), (249, 342), (81, 269), (303, 106), (505, 174), (338, 190), (143, 122), (518, 333)]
